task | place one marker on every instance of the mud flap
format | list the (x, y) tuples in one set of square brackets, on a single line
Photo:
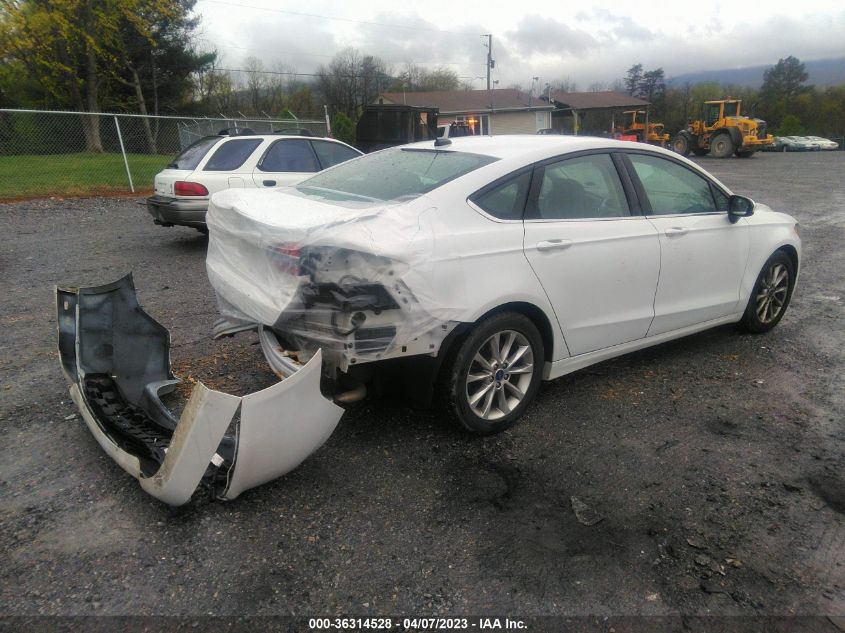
[(117, 359)]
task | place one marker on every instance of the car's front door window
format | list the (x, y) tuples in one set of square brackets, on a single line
[(672, 188), (585, 187)]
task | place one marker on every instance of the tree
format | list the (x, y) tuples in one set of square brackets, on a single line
[(79, 49), (351, 80), (652, 85), (343, 128), (782, 84), (158, 63), (785, 79), (633, 79), (255, 82), (790, 126), (416, 79)]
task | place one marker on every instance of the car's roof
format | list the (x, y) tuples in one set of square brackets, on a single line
[(528, 146), (226, 137)]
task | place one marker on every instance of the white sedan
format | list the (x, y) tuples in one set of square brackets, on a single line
[(474, 267), (500, 260)]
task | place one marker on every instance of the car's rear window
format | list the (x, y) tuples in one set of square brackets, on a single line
[(193, 154), (231, 154), (392, 174)]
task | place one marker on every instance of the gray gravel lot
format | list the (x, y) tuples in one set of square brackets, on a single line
[(716, 461)]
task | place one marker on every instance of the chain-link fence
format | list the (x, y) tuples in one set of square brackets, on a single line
[(51, 153)]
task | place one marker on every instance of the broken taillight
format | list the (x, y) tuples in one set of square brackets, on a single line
[(184, 188), (286, 258)]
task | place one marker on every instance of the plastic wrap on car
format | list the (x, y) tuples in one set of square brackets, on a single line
[(355, 279)]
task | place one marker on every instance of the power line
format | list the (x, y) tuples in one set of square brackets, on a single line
[(299, 74), (337, 19), (309, 54)]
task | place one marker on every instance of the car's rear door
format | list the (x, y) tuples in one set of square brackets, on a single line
[(703, 254), (596, 257), (229, 164)]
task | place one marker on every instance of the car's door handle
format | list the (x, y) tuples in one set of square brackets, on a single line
[(269, 183), (676, 231), (551, 245)]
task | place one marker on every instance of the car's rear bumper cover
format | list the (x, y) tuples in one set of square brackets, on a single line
[(116, 358), (169, 211)]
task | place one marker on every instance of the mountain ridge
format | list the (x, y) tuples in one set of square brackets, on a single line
[(823, 73)]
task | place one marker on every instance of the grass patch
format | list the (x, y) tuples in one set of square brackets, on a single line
[(75, 174)]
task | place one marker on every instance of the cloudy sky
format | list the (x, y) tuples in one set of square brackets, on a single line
[(585, 41)]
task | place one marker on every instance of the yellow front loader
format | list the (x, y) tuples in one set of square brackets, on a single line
[(635, 124), (723, 131)]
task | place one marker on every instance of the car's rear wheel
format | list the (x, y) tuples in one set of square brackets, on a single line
[(771, 294), (495, 373)]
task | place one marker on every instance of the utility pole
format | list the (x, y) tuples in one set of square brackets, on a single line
[(490, 62)]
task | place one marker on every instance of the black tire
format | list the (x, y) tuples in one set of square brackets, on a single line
[(455, 384), (757, 318), (722, 146), (681, 145), (699, 151)]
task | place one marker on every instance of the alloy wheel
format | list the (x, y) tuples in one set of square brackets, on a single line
[(499, 375), (771, 297)]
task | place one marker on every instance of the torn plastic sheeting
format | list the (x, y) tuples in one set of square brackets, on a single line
[(117, 358), (357, 279)]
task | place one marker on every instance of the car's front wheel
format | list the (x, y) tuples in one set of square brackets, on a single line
[(495, 373), (771, 294)]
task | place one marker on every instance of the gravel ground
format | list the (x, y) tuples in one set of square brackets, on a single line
[(716, 461)]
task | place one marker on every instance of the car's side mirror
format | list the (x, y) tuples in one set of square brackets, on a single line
[(740, 207)]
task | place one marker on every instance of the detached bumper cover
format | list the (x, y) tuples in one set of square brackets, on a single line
[(117, 359), (168, 211)]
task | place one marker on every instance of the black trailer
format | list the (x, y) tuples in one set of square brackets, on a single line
[(384, 125)]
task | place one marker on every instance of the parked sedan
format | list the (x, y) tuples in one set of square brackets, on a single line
[(823, 143), (241, 160), (472, 269), (795, 144)]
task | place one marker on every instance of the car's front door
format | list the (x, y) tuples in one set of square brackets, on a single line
[(597, 262), (702, 254)]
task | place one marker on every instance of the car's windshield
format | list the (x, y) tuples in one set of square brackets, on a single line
[(193, 154), (391, 175)]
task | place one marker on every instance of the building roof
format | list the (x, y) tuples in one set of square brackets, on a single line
[(466, 101), (597, 100)]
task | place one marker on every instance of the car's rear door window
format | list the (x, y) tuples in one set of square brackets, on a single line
[(289, 155), (672, 188), (506, 199), (330, 153), (583, 187), (232, 154), (193, 154)]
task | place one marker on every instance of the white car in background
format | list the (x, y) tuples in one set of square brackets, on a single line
[(475, 267), (240, 160), (823, 143)]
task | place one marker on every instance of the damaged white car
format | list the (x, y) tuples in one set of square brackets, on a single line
[(473, 267)]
